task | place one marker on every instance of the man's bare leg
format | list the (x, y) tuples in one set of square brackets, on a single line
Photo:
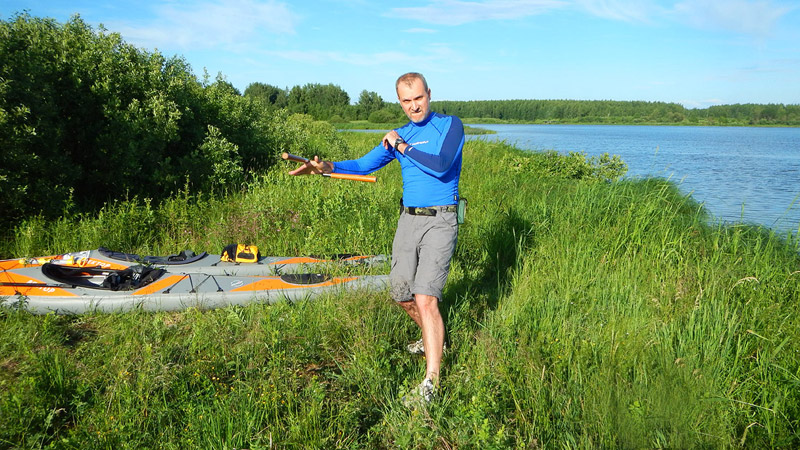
[(426, 310), (410, 307)]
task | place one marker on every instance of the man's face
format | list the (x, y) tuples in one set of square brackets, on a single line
[(415, 100)]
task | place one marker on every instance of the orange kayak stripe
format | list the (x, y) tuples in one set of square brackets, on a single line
[(268, 284), (12, 264), (356, 257), (39, 291), (160, 284)]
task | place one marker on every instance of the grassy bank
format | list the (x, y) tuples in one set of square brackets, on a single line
[(581, 314)]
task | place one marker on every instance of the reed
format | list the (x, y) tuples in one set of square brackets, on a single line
[(581, 312)]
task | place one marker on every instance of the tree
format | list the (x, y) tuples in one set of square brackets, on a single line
[(368, 102), (318, 100), (267, 93)]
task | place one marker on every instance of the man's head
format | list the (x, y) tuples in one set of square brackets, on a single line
[(414, 96)]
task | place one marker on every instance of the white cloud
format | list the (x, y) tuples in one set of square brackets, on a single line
[(459, 12), (624, 10), (210, 23), (317, 57), (433, 53), (755, 18)]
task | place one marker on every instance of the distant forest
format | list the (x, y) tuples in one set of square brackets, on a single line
[(330, 102), (621, 112)]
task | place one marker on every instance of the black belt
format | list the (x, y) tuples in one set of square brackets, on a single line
[(415, 211)]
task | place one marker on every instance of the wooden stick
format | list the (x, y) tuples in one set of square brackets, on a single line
[(291, 157)]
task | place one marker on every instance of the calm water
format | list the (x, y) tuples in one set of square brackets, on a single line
[(740, 174)]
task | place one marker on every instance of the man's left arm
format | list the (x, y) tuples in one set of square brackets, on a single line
[(451, 142)]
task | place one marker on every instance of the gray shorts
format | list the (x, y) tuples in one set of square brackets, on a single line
[(421, 253)]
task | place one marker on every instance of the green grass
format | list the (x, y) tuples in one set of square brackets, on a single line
[(581, 313)]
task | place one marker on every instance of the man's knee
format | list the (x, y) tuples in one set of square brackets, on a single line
[(427, 303), (408, 305)]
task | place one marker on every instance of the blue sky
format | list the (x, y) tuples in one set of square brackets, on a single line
[(694, 52)]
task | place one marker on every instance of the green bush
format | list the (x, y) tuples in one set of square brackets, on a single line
[(86, 118), (383, 116), (575, 165)]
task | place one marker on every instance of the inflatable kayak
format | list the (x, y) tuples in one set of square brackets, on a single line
[(107, 281), (188, 260)]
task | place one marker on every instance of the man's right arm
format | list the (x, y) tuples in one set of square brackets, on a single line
[(372, 161)]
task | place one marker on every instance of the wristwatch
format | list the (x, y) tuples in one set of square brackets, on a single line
[(397, 143)]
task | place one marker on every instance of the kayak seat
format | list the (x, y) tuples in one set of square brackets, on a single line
[(133, 277), (305, 278), (184, 257)]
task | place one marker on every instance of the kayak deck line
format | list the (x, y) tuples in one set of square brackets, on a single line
[(267, 265)]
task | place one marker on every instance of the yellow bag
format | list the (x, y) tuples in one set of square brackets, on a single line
[(240, 253)]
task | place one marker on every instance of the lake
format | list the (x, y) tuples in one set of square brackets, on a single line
[(740, 174)]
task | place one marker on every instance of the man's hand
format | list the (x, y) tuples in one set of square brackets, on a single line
[(390, 138), (313, 166)]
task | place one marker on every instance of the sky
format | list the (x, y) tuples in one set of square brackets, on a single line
[(694, 52)]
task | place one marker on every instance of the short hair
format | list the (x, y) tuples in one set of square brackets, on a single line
[(408, 79)]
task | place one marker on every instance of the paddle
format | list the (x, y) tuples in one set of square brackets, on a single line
[(341, 176)]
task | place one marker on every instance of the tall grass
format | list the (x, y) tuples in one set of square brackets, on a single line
[(581, 314)]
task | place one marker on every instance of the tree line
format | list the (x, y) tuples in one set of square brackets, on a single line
[(330, 102), (628, 112)]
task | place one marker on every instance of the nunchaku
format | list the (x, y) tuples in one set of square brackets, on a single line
[(341, 176)]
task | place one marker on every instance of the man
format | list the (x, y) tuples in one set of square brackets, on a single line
[(429, 149)]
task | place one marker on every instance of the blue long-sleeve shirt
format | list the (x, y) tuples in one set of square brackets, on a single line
[(431, 165)]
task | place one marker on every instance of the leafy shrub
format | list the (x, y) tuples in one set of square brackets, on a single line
[(383, 116), (575, 165), (222, 161), (86, 118)]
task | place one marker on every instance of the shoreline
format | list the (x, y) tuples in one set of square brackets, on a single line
[(366, 126)]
